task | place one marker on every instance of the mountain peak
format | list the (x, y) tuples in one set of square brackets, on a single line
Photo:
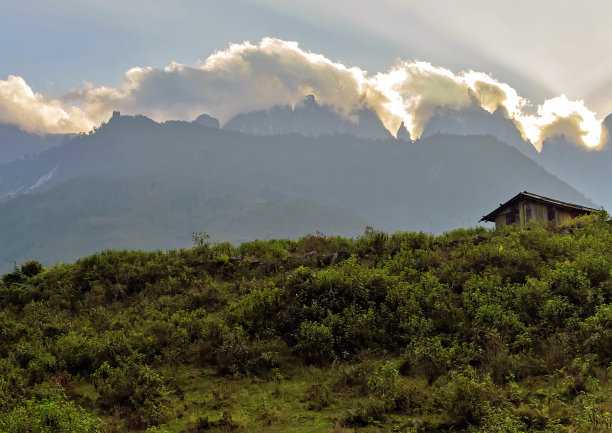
[(121, 123), (475, 120), (310, 101), (206, 120), (309, 118), (403, 134)]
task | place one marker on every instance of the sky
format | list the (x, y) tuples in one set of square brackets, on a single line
[(67, 53)]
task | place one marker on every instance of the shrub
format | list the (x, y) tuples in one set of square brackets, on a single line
[(426, 357), (270, 251), (317, 397), (315, 343), (41, 366), (135, 388), (78, 353), (382, 384), (369, 412), (597, 334), (13, 384), (31, 268), (465, 398), (258, 310), (238, 354), (51, 414)]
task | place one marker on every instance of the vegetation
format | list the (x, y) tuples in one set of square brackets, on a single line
[(506, 330)]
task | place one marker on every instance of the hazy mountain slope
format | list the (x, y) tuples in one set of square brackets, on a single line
[(433, 184), (15, 143), (93, 213), (111, 150), (207, 120), (308, 118), (588, 170)]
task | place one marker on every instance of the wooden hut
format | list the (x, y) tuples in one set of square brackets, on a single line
[(525, 207)]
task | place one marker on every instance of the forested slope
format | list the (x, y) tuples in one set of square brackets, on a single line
[(475, 330)]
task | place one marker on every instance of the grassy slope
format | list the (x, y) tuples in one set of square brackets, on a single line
[(473, 330)]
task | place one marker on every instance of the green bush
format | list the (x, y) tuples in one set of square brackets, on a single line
[(597, 334), (382, 383), (258, 311), (317, 397), (426, 358), (239, 354), (369, 412), (466, 398), (54, 414), (79, 353), (136, 389), (266, 251), (315, 343)]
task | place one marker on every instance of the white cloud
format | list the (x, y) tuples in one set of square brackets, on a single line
[(32, 112), (246, 77)]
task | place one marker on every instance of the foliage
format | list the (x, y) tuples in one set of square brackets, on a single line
[(473, 330), (52, 413)]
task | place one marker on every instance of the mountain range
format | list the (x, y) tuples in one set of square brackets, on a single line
[(309, 118), (137, 183)]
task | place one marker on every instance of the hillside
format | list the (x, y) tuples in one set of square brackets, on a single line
[(16, 144), (585, 169), (475, 330), (91, 213), (588, 170)]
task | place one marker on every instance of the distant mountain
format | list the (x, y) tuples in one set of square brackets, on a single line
[(159, 211), (134, 177), (15, 143), (588, 170), (206, 120), (102, 152), (402, 133), (309, 119), (474, 120), (585, 169)]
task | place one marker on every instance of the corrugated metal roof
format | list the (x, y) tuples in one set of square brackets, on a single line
[(539, 198)]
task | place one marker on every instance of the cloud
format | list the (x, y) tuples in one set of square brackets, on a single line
[(244, 77), (32, 112), (560, 116), (247, 77), (416, 89)]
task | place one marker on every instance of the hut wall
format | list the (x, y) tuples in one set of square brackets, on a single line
[(562, 215), (533, 211)]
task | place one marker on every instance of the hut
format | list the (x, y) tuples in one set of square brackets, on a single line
[(525, 207)]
